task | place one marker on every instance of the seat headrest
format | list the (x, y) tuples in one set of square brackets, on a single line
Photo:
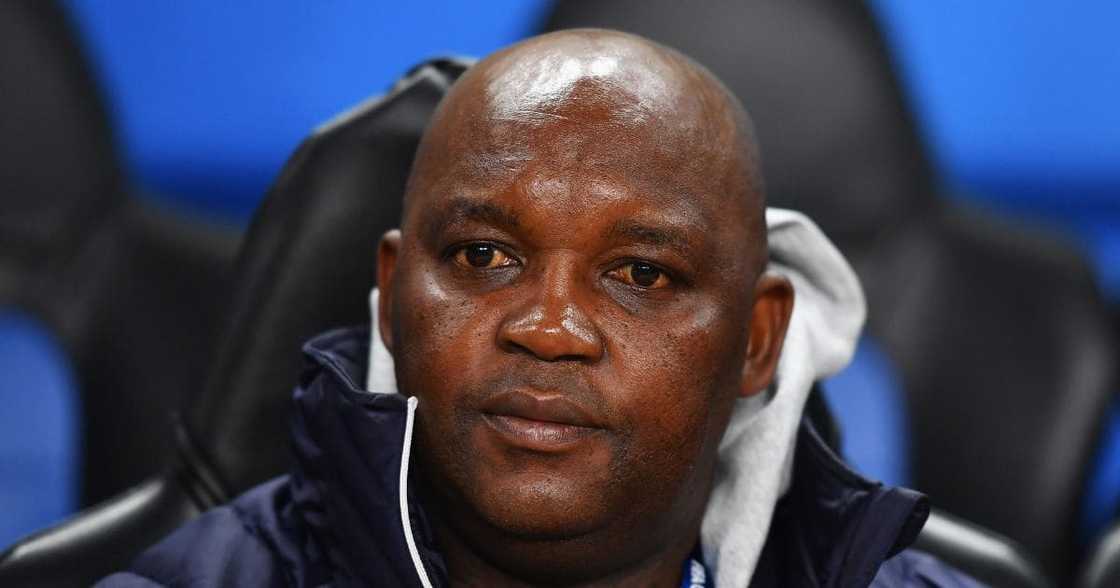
[(59, 173), (307, 265), (837, 140)]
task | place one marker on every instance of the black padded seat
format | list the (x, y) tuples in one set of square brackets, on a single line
[(137, 310), (988, 557), (320, 224), (100, 539), (132, 291), (307, 266), (998, 331)]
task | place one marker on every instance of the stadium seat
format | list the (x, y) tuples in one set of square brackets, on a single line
[(130, 291), (338, 193), (998, 332)]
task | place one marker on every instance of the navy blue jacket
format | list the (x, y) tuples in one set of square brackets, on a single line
[(336, 519)]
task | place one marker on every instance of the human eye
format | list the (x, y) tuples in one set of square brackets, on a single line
[(641, 274), (482, 255)]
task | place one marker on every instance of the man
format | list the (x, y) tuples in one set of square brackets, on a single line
[(579, 317)]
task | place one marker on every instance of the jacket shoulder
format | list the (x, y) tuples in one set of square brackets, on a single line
[(912, 568), (225, 546)]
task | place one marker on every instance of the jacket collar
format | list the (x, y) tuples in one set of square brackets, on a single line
[(345, 482), (832, 528)]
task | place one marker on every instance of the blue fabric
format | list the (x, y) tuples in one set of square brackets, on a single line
[(334, 520), (868, 402), (37, 429)]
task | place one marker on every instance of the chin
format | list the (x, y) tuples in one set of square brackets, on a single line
[(556, 532), (538, 507)]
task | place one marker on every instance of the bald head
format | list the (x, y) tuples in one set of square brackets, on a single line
[(608, 105)]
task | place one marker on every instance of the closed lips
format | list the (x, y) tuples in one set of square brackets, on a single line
[(542, 407)]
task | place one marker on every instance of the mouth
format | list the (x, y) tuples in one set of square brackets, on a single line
[(540, 421)]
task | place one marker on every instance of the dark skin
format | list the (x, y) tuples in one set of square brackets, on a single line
[(577, 298)]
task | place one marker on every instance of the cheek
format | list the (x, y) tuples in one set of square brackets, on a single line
[(682, 371), (440, 333)]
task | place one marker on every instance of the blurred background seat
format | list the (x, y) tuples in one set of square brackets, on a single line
[(125, 292), (234, 434), (1002, 344)]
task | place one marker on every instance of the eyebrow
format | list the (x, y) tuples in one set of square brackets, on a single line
[(461, 209), (670, 237)]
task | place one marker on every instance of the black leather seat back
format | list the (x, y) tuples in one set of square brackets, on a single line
[(133, 292), (308, 266), (138, 310), (1009, 368), (59, 176)]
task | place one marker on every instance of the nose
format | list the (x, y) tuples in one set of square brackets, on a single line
[(552, 324)]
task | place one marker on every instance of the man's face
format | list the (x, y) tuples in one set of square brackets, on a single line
[(571, 302)]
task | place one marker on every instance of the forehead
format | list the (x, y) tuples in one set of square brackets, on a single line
[(581, 149), (555, 178)]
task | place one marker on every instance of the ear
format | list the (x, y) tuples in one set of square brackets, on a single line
[(387, 251), (773, 304)]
